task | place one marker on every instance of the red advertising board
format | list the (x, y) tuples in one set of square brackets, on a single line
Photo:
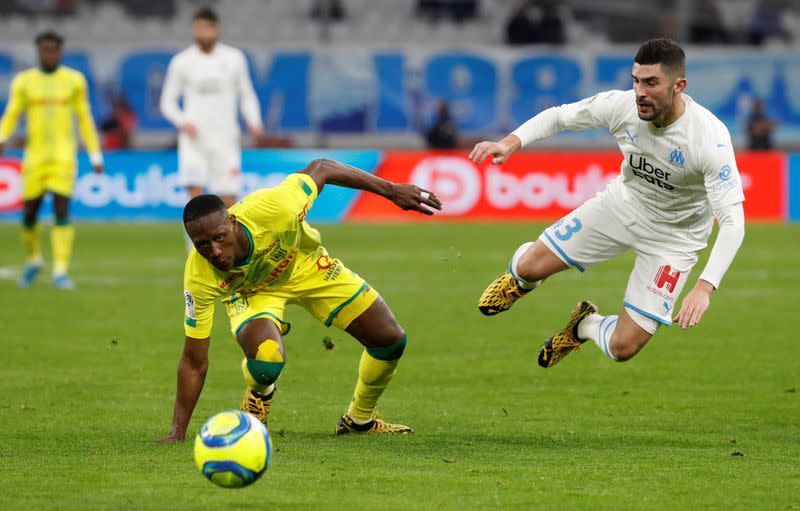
[(539, 185), (764, 180), (10, 184)]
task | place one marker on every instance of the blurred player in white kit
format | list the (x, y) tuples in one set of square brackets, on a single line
[(210, 76), (678, 173)]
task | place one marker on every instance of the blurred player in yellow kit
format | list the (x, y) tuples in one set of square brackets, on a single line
[(260, 255), (50, 95)]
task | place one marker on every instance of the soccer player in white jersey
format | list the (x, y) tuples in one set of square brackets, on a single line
[(210, 76), (678, 173)]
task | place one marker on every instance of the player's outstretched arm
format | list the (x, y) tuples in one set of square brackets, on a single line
[(499, 151), (594, 112), (405, 196), (192, 370)]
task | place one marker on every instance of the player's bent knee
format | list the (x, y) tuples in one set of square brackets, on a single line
[(528, 272), (538, 263), (262, 371), (528, 267), (396, 335), (386, 336), (624, 351), (622, 355), (390, 352)]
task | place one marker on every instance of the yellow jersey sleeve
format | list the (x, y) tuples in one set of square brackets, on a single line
[(80, 103), (199, 297), (295, 195), (282, 206), (16, 105)]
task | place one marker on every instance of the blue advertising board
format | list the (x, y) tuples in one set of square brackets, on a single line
[(793, 188), (142, 185), (491, 90)]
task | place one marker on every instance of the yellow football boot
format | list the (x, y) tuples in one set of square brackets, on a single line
[(257, 405), (566, 340), (500, 295), (377, 426)]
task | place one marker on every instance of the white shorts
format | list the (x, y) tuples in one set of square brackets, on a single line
[(592, 234), (215, 167)]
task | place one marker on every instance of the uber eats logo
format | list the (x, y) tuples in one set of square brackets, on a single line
[(643, 169)]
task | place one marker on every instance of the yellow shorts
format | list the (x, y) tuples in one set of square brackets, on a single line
[(56, 177), (320, 284)]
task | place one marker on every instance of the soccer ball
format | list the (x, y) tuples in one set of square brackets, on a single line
[(232, 449)]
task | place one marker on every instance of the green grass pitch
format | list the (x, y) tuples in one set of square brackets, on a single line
[(702, 419)]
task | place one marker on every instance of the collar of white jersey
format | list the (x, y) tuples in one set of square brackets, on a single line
[(198, 50)]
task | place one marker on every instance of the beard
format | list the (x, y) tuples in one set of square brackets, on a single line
[(649, 111), (646, 111)]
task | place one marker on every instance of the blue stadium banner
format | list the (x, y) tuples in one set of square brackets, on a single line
[(356, 90), (142, 185), (793, 213)]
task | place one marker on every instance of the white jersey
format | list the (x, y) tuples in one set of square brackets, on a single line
[(209, 84), (673, 177)]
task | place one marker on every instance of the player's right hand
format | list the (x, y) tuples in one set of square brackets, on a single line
[(190, 130), (2, 146), (498, 151), (410, 197)]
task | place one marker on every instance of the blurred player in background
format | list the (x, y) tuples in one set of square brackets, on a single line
[(210, 76), (50, 95), (260, 255), (678, 173)]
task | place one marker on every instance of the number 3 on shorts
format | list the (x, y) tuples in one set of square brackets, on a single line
[(566, 232)]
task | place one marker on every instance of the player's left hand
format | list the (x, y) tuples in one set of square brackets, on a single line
[(99, 168), (694, 305), (410, 197)]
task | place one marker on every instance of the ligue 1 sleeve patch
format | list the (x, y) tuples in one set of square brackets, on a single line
[(307, 189), (191, 310)]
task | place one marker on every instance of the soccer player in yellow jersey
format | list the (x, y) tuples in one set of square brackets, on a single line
[(50, 95), (260, 255)]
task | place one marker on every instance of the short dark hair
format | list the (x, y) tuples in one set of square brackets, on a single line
[(206, 13), (201, 206), (663, 51), (49, 35)]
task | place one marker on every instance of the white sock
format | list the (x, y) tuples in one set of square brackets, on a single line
[(599, 329), (361, 423), (524, 284), (267, 392)]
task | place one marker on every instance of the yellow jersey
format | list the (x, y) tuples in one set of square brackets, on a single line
[(274, 221), (49, 100)]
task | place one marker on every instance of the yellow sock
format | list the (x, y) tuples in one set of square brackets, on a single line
[(61, 237), (32, 244), (373, 377), (262, 371)]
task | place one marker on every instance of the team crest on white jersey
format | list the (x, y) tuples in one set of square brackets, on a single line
[(676, 157)]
